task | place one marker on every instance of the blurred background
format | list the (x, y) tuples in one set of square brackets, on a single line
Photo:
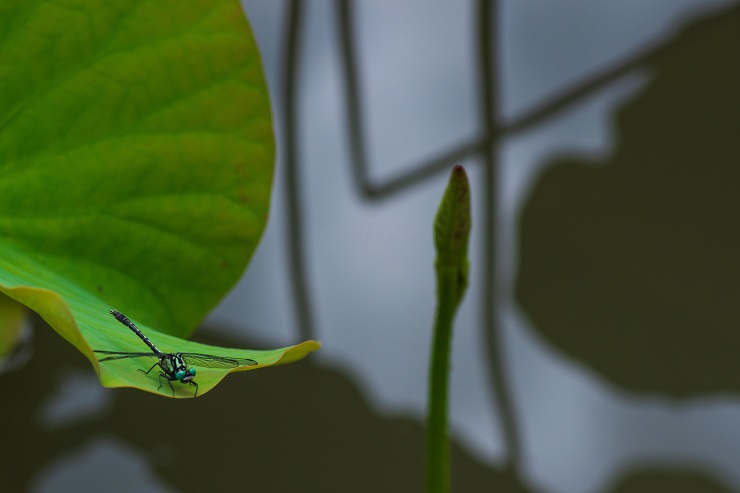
[(596, 349)]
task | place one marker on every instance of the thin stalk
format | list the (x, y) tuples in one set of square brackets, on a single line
[(294, 233), (451, 232), (355, 116), (414, 173), (438, 453), (487, 36)]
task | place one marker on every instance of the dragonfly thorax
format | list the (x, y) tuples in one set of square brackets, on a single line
[(176, 367)]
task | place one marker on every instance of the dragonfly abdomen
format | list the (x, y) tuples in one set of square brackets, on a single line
[(128, 323)]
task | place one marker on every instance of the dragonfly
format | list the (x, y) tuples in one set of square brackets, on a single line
[(174, 367)]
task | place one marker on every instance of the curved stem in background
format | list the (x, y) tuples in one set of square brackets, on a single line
[(355, 117), (500, 385), (443, 161), (294, 221), (484, 145)]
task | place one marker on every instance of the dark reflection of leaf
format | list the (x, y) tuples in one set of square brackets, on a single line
[(305, 428), (668, 481), (634, 266)]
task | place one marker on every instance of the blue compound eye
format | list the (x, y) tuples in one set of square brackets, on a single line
[(192, 372), (180, 375)]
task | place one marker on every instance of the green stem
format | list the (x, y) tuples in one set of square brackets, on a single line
[(438, 469), (451, 232)]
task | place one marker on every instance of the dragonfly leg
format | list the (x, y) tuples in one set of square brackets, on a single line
[(169, 381), (196, 388), (150, 369)]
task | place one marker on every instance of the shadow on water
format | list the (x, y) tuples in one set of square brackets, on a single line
[(296, 427), (631, 264)]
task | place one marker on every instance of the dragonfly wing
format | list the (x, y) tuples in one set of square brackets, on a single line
[(123, 355), (210, 361)]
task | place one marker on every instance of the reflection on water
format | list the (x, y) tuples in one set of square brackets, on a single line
[(306, 427), (101, 465), (581, 434), (628, 264), (79, 397)]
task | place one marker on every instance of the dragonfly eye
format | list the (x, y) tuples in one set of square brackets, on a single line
[(180, 375), (192, 372)]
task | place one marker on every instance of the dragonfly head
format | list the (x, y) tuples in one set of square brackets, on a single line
[(185, 376)]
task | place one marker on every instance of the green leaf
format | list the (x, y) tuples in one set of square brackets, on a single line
[(87, 325), (125, 372), (136, 150), (136, 161)]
